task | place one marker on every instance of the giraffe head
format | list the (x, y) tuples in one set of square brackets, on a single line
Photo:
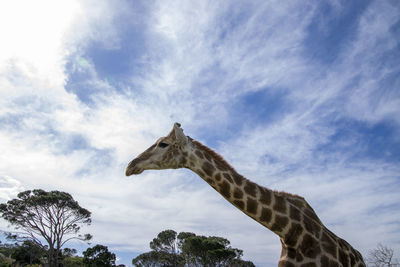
[(167, 153)]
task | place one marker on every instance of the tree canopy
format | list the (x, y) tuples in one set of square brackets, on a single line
[(187, 249), (51, 216), (98, 256)]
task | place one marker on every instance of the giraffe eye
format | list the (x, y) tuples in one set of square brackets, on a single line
[(162, 144)]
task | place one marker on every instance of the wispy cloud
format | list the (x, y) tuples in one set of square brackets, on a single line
[(297, 96)]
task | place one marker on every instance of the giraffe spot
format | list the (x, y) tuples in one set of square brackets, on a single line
[(311, 226), (208, 157), (352, 260), (343, 258), (239, 204), (285, 263), (228, 177), (280, 204), (251, 205), (299, 257), (185, 154), (279, 223), (218, 177), (183, 161), (291, 253), (309, 246), (266, 215), (295, 213), (210, 181), (208, 168), (293, 234), (328, 245), (250, 188), (265, 196), (199, 154), (237, 193), (238, 179), (309, 264), (224, 189), (324, 261)]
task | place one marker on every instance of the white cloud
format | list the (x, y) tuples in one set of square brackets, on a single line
[(198, 63)]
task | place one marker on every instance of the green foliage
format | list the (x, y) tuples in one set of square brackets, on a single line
[(187, 249), (165, 241), (28, 253), (157, 258), (53, 216), (98, 256)]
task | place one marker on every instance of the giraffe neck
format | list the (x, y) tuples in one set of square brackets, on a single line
[(270, 208), (305, 240)]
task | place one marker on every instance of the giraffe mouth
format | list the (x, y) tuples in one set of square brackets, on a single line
[(131, 171)]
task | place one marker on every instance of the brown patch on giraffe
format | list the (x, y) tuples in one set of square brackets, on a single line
[(309, 246), (266, 215), (199, 154), (250, 188), (239, 204), (299, 257), (208, 168), (238, 178), (285, 263), (280, 204), (344, 259), (251, 206), (228, 177), (291, 253), (352, 260), (311, 226), (324, 261), (293, 234), (294, 213), (238, 193), (329, 245), (218, 177), (221, 166), (207, 156), (265, 196), (224, 189), (280, 223), (183, 161)]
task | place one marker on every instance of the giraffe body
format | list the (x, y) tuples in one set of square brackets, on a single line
[(306, 242)]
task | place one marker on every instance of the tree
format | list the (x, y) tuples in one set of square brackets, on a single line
[(51, 216), (187, 249), (98, 256), (382, 256)]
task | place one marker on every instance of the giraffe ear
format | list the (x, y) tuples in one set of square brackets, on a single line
[(179, 135)]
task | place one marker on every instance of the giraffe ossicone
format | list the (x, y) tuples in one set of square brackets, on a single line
[(306, 242)]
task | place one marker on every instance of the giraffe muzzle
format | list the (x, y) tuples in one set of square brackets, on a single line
[(133, 168)]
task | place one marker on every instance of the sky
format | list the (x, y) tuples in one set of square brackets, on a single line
[(298, 96)]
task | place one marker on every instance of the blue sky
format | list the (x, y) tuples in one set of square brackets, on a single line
[(298, 96)]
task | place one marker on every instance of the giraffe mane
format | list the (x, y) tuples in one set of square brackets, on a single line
[(217, 157)]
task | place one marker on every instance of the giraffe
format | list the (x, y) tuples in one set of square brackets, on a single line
[(305, 241)]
